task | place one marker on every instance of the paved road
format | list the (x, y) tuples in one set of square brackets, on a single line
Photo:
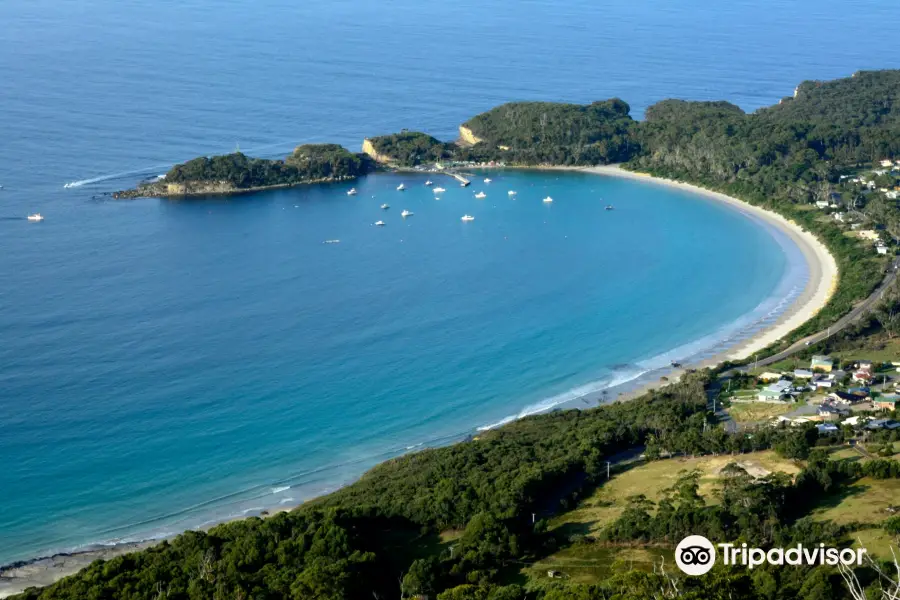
[(847, 319)]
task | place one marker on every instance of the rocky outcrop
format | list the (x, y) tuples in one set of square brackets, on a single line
[(368, 148), (466, 135), (161, 189)]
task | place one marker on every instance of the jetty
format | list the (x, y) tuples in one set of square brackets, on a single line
[(457, 176)]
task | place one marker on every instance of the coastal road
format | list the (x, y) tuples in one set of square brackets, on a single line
[(860, 309)]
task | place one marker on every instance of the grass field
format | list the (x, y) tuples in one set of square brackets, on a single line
[(650, 479), (592, 563), (754, 412), (589, 562), (864, 501)]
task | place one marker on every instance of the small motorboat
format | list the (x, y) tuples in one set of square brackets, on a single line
[(401, 187), (487, 179), (351, 192), (548, 199), (406, 213), (385, 206), (332, 242), (467, 218), (438, 190), (35, 217), (512, 192), (379, 223), (610, 207), (481, 195), (429, 182)]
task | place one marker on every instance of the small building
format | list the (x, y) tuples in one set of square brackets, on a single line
[(826, 384), (887, 162), (859, 392), (821, 363), (803, 374), (827, 412), (769, 376), (842, 398), (822, 204), (775, 392), (865, 365), (837, 375), (827, 429), (839, 216), (882, 424), (852, 421), (862, 376), (881, 249), (882, 404)]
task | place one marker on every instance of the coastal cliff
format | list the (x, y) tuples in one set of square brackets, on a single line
[(466, 135), (369, 150)]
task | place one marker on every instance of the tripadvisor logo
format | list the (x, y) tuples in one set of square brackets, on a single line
[(696, 555)]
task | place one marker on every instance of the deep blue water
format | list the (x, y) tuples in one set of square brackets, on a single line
[(165, 364)]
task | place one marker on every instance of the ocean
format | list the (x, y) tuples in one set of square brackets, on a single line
[(166, 364)]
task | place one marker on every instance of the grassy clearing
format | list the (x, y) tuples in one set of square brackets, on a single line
[(890, 351), (592, 563), (754, 412), (876, 541), (650, 479), (864, 501)]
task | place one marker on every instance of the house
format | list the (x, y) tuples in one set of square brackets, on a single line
[(842, 398), (802, 374), (892, 195), (823, 383), (839, 216), (887, 162), (769, 376), (882, 404), (862, 376), (861, 393), (852, 421), (827, 412), (821, 363), (865, 365), (775, 392), (822, 203), (882, 424), (880, 249), (827, 429), (837, 375), (855, 226)]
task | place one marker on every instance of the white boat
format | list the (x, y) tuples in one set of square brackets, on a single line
[(351, 192), (480, 195), (610, 207), (401, 187), (35, 217), (512, 192), (467, 218), (438, 190), (385, 206), (406, 213), (379, 223), (332, 242), (487, 179), (429, 182), (548, 199)]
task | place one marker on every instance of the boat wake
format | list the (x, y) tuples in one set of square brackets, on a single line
[(112, 176)]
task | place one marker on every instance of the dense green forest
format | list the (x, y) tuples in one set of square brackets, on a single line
[(458, 522), (307, 163), (411, 148)]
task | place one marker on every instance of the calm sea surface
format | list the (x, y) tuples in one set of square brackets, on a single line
[(167, 364)]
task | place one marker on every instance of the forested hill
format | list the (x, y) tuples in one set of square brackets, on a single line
[(236, 172), (545, 132)]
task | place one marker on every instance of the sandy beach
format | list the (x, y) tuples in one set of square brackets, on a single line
[(823, 275)]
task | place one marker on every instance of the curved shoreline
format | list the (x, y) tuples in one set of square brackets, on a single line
[(822, 269)]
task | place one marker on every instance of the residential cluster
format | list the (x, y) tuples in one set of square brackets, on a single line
[(884, 179), (850, 394)]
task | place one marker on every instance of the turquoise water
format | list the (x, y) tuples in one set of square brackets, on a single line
[(168, 364)]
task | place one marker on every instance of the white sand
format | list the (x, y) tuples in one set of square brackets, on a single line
[(823, 271)]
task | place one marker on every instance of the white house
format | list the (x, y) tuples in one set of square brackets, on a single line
[(822, 203), (887, 163), (881, 249), (775, 392)]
